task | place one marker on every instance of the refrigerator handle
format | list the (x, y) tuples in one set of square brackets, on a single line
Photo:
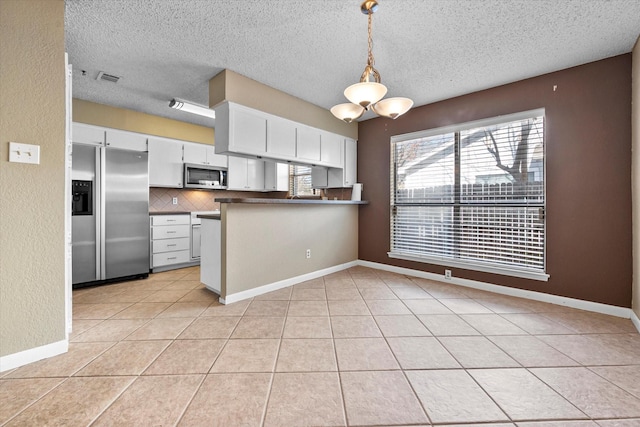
[(101, 254)]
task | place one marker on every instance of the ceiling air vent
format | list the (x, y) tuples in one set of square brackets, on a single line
[(107, 77)]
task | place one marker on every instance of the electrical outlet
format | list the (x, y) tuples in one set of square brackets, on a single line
[(175, 200), (308, 253), (447, 274)]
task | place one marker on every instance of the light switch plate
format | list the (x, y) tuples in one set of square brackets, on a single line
[(24, 153)]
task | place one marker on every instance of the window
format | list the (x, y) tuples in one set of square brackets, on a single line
[(472, 196), (300, 181)]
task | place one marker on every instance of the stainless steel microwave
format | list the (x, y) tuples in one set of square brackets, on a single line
[(204, 176)]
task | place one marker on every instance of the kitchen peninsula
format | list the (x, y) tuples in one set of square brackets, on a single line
[(266, 244)]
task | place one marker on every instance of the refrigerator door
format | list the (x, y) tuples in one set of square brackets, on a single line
[(83, 227), (126, 213)]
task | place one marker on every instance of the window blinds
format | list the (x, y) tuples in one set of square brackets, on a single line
[(473, 194)]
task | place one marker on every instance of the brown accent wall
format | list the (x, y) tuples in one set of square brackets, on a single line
[(588, 173), (635, 132)]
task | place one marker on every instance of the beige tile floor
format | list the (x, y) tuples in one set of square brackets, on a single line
[(361, 347)]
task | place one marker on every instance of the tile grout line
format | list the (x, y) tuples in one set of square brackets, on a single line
[(263, 418)]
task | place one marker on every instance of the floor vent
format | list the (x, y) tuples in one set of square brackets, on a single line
[(107, 77)]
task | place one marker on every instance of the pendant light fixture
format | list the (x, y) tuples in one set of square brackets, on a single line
[(369, 92)]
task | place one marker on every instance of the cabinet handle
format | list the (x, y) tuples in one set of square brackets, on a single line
[(171, 220), (171, 232), (171, 245), (173, 257)]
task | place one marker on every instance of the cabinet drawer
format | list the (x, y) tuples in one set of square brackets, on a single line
[(167, 258), (169, 245), (169, 219), (170, 231)]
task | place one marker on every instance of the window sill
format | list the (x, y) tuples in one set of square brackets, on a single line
[(470, 265)]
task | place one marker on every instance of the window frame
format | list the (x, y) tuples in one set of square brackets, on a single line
[(515, 271), (292, 177)]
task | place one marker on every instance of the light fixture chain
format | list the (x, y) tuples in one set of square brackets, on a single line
[(370, 59)]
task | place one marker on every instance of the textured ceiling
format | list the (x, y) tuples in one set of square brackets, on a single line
[(427, 50)]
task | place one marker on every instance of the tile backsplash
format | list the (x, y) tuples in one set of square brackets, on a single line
[(160, 199)]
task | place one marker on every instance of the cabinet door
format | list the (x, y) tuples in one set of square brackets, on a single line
[(347, 175), (308, 144), (165, 163), (213, 159), (195, 153), (87, 134), (276, 176), (126, 140), (255, 174), (281, 138), (331, 149), (350, 162), (319, 177), (237, 173), (248, 132)]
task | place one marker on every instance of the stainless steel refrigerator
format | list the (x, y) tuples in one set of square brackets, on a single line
[(110, 215)]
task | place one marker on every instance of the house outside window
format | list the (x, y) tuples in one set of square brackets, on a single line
[(472, 196), (300, 181)]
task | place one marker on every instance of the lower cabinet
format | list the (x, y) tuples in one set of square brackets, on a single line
[(170, 241)]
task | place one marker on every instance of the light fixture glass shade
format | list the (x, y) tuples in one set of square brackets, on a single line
[(392, 107), (347, 112), (192, 108), (365, 93)]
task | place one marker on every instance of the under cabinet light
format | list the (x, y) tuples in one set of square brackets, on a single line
[(192, 108)]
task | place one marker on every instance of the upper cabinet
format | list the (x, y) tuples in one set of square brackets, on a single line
[(96, 135), (331, 149), (281, 139), (240, 131), (248, 131), (245, 174), (203, 154), (165, 163), (338, 177), (308, 144), (87, 134), (276, 176), (126, 140), (243, 131)]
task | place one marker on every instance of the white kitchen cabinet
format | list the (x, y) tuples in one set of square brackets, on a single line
[(338, 177), (248, 131), (203, 154), (211, 256), (240, 130), (87, 134), (126, 140), (165, 163), (170, 241), (276, 176), (308, 144), (245, 174), (331, 149), (281, 138)]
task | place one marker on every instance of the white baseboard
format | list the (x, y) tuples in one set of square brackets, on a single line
[(505, 290), (636, 320), (250, 293), (21, 358)]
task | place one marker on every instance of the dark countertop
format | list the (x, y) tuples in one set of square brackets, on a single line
[(209, 216), (291, 201), (170, 213)]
